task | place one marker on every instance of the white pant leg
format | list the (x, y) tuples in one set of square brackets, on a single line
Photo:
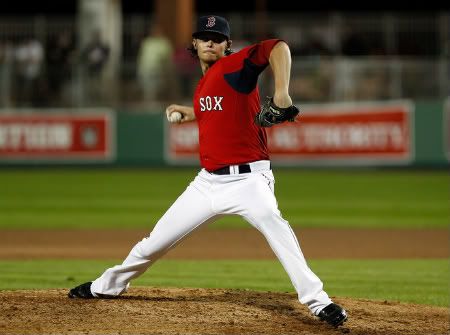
[(188, 212), (254, 199)]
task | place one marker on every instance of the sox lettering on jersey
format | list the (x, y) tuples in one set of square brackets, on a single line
[(206, 103)]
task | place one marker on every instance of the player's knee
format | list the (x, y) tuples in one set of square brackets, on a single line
[(263, 215), (150, 250)]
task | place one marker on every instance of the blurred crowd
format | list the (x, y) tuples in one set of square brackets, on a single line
[(34, 73), (349, 64), (56, 73)]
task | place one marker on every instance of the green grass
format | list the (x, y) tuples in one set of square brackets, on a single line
[(137, 198), (417, 281)]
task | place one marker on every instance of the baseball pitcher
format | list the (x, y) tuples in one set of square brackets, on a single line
[(236, 176)]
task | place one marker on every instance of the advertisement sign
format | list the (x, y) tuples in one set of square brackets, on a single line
[(56, 136), (350, 134), (355, 133)]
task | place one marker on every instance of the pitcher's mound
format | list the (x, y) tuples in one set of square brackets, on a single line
[(205, 311)]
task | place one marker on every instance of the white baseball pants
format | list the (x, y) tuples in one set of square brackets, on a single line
[(208, 197)]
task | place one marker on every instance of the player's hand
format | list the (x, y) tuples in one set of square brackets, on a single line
[(171, 109), (282, 99), (186, 112), (272, 114)]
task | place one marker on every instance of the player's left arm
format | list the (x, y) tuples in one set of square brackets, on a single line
[(280, 62), (278, 109)]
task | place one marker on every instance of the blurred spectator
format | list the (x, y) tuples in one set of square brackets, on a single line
[(312, 82), (294, 34), (29, 60), (361, 80), (320, 40), (60, 62), (6, 65), (315, 47), (372, 84), (354, 43), (94, 57), (154, 64), (186, 68)]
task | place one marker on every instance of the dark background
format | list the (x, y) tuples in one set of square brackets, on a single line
[(24, 7)]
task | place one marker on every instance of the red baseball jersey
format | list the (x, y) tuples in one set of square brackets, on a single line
[(226, 101)]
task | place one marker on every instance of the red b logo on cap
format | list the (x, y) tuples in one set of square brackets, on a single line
[(211, 22)]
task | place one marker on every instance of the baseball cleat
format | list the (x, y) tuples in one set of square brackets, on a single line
[(333, 314), (82, 291)]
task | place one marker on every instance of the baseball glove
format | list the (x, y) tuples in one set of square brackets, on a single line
[(271, 114)]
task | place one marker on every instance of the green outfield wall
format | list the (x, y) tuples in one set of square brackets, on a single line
[(143, 138), (140, 138), (431, 129)]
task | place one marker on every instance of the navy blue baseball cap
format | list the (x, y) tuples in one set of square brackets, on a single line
[(213, 24)]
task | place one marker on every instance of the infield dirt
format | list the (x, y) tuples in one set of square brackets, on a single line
[(206, 243), (214, 311)]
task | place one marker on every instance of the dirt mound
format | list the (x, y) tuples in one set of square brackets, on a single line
[(205, 311)]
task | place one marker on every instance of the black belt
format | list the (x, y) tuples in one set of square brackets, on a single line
[(244, 168)]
